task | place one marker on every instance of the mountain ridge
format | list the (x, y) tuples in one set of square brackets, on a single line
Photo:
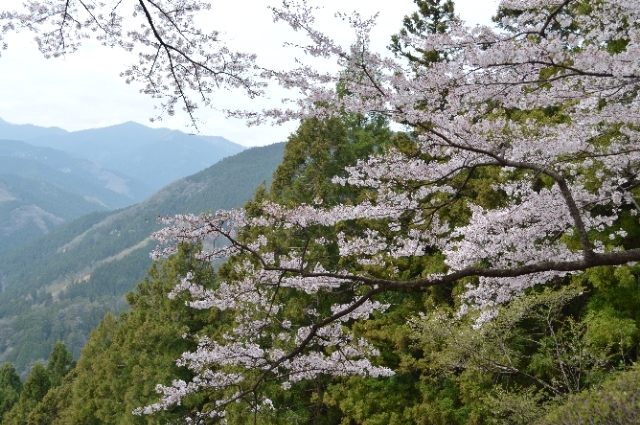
[(20, 131), (156, 156), (42, 188)]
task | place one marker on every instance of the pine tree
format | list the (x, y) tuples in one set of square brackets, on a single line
[(432, 17)]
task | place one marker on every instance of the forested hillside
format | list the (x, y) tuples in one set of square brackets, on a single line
[(543, 358), (59, 286), (43, 188)]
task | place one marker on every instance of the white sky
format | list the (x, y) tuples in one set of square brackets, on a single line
[(84, 90)]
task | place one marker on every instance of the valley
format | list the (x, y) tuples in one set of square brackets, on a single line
[(73, 246)]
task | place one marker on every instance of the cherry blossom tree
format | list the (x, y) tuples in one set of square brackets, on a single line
[(178, 63), (543, 110)]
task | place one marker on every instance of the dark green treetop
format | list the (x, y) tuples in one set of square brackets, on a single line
[(432, 17), (9, 377), (10, 388), (59, 364), (36, 385), (35, 388)]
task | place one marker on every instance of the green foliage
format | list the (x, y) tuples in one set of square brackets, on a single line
[(46, 412), (536, 351), (52, 400), (516, 406), (60, 286), (616, 402), (126, 357), (35, 388), (8, 398), (10, 388), (314, 154), (432, 17), (59, 364), (320, 150), (9, 378), (549, 350), (541, 349), (36, 385)]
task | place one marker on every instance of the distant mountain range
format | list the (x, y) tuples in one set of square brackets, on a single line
[(43, 188), (57, 176), (27, 131), (59, 286), (112, 189), (155, 156)]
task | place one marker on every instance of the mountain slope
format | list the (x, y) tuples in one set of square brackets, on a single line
[(31, 208), (42, 188), (154, 156), (72, 172), (59, 286)]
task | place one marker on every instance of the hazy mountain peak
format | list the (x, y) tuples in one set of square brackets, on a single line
[(156, 156), (26, 131)]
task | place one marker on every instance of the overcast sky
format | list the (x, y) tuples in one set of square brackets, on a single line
[(84, 90)]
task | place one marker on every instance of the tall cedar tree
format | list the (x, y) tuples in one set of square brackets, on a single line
[(60, 363), (35, 388), (10, 388)]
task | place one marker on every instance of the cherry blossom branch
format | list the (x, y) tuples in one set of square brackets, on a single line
[(552, 15), (560, 180), (185, 59), (594, 260), (168, 48)]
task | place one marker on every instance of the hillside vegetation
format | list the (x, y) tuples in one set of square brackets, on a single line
[(481, 267), (59, 286), (549, 357), (43, 188)]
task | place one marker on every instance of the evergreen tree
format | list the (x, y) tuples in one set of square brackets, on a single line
[(127, 356), (10, 388), (315, 153), (432, 17), (319, 151), (37, 384), (59, 364), (35, 388), (10, 378)]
